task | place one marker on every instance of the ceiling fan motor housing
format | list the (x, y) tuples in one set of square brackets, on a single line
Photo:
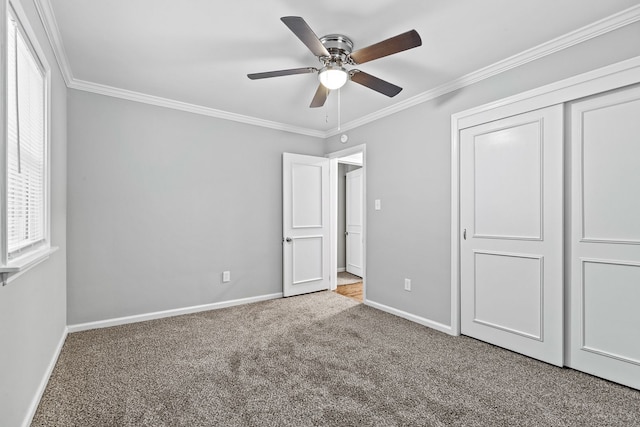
[(339, 47)]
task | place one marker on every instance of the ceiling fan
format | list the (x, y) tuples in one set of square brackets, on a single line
[(334, 51)]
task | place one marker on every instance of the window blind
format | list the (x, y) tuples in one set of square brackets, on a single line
[(26, 148)]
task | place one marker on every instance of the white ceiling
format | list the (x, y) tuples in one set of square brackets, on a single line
[(199, 51)]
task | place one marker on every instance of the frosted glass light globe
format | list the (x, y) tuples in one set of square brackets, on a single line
[(333, 77)]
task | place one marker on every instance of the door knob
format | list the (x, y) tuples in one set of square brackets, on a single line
[(346, 233), (464, 234), (288, 239)]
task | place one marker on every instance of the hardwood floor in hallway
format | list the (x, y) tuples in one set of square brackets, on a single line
[(353, 291)]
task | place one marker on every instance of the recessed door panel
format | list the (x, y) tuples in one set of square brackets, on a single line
[(308, 259), (610, 154), (306, 195), (611, 292), (508, 183), (519, 284)]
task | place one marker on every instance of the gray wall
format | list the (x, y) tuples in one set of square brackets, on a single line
[(33, 306), (161, 202), (409, 166)]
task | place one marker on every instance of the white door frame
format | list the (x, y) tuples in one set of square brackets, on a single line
[(601, 80), (333, 207)]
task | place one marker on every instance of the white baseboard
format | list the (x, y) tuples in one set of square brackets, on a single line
[(341, 270), (168, 313), (412, 317), (45, 380)]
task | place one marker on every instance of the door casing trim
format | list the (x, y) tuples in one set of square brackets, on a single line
[(333, 213)]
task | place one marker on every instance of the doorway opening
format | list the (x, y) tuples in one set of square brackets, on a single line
[(350, 286), (347, 204)]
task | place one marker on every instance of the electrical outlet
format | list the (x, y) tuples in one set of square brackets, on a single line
[(407, 285), (226, 276)]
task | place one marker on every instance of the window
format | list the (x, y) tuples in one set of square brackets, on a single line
[(25, 226)]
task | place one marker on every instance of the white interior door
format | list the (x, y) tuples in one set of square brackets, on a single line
[(511, 215), (605, 237), (354, 244), (306, 246)]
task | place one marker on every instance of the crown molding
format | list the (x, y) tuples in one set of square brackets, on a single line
[(598, 28), (48, 19), (49, 22), (191, 108)]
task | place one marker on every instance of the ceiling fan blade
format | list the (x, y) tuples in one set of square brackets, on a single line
[(279, 73), (320, 97), (396, 44), (302, 30), (374, 83)]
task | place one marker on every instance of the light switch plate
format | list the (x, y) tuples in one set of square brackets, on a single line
[(377, 204)]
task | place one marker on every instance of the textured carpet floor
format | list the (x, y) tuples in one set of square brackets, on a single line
[(319, 359)]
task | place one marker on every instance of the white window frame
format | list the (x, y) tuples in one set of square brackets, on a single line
[(12, 268)]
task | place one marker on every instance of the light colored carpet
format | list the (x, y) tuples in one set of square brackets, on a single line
[(313, 360), (345, 278)]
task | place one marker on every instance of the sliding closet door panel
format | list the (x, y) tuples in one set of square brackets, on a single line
[(511, 181), (605, 238)]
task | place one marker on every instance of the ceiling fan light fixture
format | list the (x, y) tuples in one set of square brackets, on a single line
[(334, 51), (333, 77)]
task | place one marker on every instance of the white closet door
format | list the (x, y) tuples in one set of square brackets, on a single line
[(605, 237), (511, 180)]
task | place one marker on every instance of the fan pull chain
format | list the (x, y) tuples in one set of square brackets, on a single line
[(339, 103)]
